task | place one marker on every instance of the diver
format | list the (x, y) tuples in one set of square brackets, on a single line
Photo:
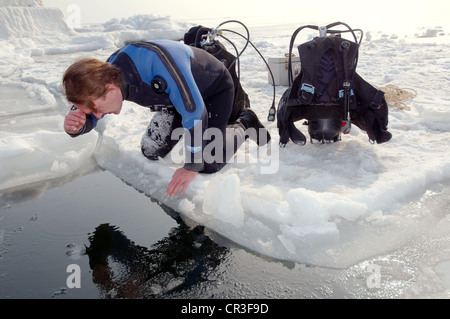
[(188, 88)]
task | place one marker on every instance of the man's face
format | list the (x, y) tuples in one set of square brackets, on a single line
[(110, 103)]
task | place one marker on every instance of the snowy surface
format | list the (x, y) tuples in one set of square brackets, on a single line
[(330, 205)]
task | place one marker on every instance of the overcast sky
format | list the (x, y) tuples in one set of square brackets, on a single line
[(376, 14)]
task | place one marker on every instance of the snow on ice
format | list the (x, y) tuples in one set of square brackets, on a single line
[(329, 205)]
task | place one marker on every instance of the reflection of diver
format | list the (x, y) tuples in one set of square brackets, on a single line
[(122, 269)]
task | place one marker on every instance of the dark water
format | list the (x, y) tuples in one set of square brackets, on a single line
[(91, 236), (43, 233), (122, 245)]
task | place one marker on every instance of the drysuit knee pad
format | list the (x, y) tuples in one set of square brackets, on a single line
[(158, 139)]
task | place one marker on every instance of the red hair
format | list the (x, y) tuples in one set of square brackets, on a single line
[(87, 79)]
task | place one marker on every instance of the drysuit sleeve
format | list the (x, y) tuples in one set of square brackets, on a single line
[(91, 123), (195, 144), (187, 99), (171, 61)]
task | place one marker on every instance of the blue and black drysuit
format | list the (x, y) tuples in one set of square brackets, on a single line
[(170, 75)]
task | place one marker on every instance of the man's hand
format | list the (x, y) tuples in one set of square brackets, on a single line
[(74, 121), (180, 179)]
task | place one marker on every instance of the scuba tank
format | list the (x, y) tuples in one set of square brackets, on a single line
[(207, 39)]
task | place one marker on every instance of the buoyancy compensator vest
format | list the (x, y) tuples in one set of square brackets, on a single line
[(329, 94)]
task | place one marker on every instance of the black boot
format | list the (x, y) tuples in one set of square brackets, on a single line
[(249, 120)]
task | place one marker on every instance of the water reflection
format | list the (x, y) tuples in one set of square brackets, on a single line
[(122, 269), (34, 190)]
